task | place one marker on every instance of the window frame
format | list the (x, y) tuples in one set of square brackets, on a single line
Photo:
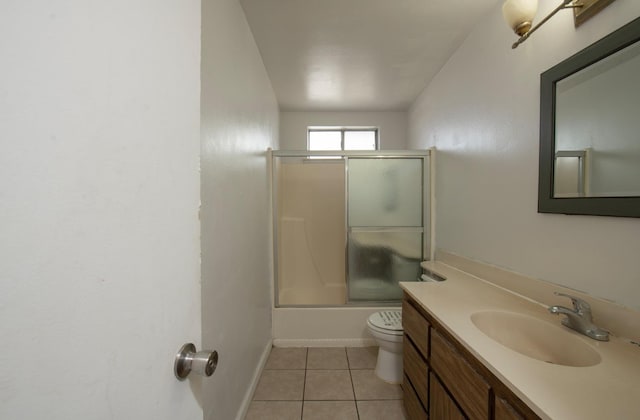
[(343, 130)]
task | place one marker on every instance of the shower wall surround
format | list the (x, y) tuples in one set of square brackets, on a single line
[(311, 235)]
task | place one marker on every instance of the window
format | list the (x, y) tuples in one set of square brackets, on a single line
[(342, 138)]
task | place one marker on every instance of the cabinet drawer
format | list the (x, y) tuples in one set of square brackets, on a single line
[(416, 327), (469, 389), (442, 406), (415, 410), (416, 369)]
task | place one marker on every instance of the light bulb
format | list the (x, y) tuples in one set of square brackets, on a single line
[(519, 14)]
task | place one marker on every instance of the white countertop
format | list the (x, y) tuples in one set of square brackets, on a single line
[(608, 390)]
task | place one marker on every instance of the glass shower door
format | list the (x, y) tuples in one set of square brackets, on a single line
[(385, 226)]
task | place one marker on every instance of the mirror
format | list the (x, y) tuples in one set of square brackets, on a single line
[(590, 129)]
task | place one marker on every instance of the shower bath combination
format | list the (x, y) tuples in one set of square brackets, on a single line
[(348, 226)]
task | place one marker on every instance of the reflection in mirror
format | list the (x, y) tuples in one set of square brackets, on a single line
[(571, 169), (590, 129), (597, 116)]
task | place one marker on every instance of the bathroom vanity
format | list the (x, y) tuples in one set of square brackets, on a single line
[(454, 369), (434, 362)]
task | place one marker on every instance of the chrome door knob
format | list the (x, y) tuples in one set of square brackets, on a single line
[(187, 360)]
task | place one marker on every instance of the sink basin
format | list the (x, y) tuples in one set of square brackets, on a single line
[(535, 338)]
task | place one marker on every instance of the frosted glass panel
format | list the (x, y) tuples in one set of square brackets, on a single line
[(385, 192), (378, 260)]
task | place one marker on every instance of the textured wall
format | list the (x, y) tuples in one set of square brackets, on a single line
[(99, 193), (239, 123), (482, 113)]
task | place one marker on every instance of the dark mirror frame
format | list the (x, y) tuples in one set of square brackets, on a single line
[(596, 206)]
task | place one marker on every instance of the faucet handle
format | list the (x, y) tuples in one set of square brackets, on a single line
[(581, 306)]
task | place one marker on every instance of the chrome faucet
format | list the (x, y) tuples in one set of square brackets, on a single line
[(579, 318)]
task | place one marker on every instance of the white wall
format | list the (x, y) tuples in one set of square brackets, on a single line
[(482, 113), (392, 125), (99, 194), (239, 122)]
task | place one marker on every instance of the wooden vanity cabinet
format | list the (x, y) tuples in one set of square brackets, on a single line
[(415, 368), (415, 350), (441, 405), (504, 411), (465, 384), (412, 403), (444, 381), (416, 327)]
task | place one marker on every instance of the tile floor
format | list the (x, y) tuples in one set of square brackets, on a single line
[(324, 384)]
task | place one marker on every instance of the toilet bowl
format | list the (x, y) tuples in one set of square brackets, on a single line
[(386, 328)]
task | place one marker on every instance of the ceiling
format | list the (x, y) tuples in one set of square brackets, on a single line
[(357, 55)]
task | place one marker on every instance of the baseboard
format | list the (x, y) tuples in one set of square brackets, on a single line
[(320, 342), (248, 397)]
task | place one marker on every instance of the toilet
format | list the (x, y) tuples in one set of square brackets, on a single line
[(386, 328)]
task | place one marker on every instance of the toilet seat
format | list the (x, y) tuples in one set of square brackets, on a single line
[(386, 322)]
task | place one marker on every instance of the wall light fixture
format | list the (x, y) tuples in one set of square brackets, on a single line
[(519, 14)]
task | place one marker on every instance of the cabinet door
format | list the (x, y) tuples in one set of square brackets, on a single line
[(469, 389), (412, 404), (504, 411), (441, 406)]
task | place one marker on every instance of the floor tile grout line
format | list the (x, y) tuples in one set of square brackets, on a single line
[(278, 400), (304, 383), (346, 353), (331, 400), (353, 388)]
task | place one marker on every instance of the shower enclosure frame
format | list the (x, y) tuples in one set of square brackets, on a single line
[(426, 230)]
